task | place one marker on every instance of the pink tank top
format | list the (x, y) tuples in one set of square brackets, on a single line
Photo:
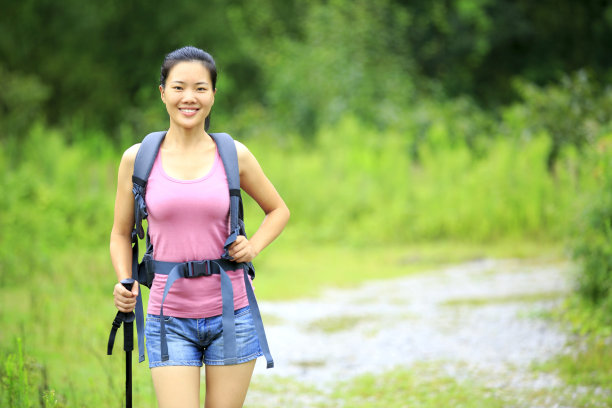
[(188, 221)]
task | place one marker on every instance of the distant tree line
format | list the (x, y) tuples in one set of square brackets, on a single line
[(96, 62)]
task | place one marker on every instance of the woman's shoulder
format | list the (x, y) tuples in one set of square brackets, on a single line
[(129, 156), (243, 152), (240, 147)]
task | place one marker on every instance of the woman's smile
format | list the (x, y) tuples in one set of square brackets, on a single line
[(189, 111)]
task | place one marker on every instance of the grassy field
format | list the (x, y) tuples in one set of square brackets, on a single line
[(63, 321), (56, 279)]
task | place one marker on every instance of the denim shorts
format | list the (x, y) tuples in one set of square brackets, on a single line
[(192, 342)]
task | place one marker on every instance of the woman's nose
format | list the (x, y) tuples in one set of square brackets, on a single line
[(188, 94)]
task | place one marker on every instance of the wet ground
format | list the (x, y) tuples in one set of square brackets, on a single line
[(484, 316)]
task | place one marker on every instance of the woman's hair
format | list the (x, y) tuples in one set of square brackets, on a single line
[(188, 54)]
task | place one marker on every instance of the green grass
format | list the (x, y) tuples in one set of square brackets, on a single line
[(64, 317), (337, 324), (426, 385), (589, 365), (520, 298), (422, 385), (586, 372), (64, 321), (416, 387), (286, 271)]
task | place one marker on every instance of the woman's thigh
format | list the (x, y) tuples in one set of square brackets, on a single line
[(226, 386), (177, 386)]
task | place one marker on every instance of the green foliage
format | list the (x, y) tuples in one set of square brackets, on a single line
[(55, 195), (21, 383), (350, 59), (340, 57), (15, 389), (21, 102), (573, 113), (295, 63), (475, 46), (419, 387), (593, 243), (66, 357), (590, 367), (449, 40), (586, 368), (358, 185)]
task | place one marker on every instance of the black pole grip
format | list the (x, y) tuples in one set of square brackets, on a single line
[(128, 326), (128, 283)]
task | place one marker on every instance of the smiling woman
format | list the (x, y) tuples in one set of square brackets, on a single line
[(188, 208), (192, 71), (189, 95)]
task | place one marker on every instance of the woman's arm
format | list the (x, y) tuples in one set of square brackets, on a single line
[(121, 234), (255, 183)]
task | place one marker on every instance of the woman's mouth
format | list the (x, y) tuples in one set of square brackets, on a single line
[(188, 111)]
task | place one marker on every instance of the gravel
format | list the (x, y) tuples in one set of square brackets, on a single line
[(481, 316)]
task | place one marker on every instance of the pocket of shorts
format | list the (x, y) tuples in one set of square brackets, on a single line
[(242, 311), (157, 318)]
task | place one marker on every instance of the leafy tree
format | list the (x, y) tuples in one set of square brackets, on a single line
[(573, 113)]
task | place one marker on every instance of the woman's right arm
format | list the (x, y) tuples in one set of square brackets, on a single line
[(121, 234)]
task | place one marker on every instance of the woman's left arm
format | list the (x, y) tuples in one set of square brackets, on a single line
[(255, 183)]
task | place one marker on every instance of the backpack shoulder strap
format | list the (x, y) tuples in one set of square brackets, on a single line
[(142, 169), (146, 156), (229, 157)]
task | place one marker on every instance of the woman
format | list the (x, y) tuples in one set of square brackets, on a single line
[(188, 204)]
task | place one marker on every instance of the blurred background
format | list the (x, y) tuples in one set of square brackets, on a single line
[(429, 130)]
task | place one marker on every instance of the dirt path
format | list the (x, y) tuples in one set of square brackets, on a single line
[(481, 316)]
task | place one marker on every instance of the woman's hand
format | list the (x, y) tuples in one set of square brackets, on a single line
[(125, 300), (242, 250)]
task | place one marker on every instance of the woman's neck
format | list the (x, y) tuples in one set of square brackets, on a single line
[(185, 139)]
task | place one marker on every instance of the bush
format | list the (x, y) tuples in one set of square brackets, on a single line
[(55, 196), (573, 113), (593, 246), (21, 102), (358, 185), (21, 380)]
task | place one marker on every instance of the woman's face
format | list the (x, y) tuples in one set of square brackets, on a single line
[(188, 94)]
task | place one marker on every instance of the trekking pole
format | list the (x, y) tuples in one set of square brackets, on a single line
[(128, 346), (128, 342)]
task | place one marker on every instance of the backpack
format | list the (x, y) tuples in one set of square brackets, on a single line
[(144, 271)]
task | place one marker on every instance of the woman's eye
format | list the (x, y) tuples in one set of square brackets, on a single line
[(177, 88), (201, 89)]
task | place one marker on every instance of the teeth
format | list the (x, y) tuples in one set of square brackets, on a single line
[(188, 110)]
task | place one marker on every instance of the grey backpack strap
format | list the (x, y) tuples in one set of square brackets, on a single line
[(229, 156), (142, 169), (146, 156)]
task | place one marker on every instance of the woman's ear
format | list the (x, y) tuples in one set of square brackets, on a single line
[(161, 92)]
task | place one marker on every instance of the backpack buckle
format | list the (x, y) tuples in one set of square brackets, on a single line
[(198, 268)]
